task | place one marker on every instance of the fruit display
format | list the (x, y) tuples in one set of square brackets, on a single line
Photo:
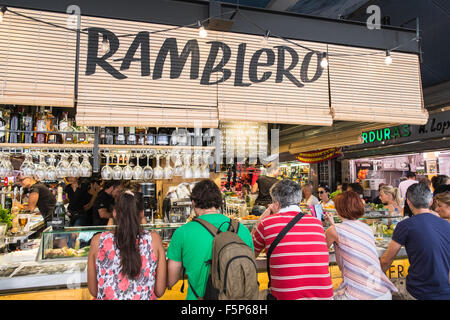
[(388, 231)]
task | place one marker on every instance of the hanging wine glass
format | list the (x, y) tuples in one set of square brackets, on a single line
[(41, 170), (196, 169), (117, 170), (8, 165), (52, 173), (62, 169), (86, 167), (74, 167), (158, 172), (3, 168), (168, 170), (138, 171), (127, 172), (187, 170), (178, 167), (148, 171), (205, 167), (27, 167), (107, 171)]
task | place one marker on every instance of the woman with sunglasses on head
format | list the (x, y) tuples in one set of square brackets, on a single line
[(127, 263), (324, 196)]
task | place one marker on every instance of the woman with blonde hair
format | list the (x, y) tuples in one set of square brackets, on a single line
[(391, 198), (441, 202)]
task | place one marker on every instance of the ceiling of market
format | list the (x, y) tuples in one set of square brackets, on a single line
[(434, 21)]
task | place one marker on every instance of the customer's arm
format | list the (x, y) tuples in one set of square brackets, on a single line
[(91, 270), (389, 255), (173, 272), (161, 271)]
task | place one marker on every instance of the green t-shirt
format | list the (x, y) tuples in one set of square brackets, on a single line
[(192, 244)]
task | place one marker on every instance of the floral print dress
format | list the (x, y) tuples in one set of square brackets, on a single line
[(112, 283)]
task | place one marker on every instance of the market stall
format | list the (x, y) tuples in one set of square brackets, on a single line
[(172, 117)]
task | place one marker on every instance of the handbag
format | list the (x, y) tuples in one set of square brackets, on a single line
[(266, 294)]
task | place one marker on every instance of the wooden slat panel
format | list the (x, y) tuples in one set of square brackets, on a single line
[(37, 61), (102, 94), (365, 87)]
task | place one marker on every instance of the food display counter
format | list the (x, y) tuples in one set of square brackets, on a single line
[(56, 264)]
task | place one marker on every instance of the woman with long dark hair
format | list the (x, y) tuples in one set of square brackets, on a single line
[(128, 263)]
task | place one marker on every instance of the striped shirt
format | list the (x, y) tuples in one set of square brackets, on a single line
[(299, 264), (358, 259)]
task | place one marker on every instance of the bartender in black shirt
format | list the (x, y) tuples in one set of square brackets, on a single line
[(103, 205), (81, 198), (40, 197)]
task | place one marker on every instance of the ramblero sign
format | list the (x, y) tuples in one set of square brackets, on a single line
[(282, 58)]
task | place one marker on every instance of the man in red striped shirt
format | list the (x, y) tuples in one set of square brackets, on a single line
[(299, 263)]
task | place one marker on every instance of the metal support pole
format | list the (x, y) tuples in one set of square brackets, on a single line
[(95, 151)]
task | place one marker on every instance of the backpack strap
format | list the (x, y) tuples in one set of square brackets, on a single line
[(189, 284), (279, 237), (235, 225), (208, 226)]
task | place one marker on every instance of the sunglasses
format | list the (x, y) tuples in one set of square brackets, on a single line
[(321, 192)]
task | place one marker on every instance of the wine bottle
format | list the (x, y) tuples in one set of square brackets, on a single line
[(140, 135), (2, 128), (109, 135), (63, 125), (70, 136), (59, 214), (81, 136), (174, 137), (150, 138), (41, 127), (27, 126), (14, 122), (51, 128), (162, 139), (102, 135), (120, 139), (131, 137)]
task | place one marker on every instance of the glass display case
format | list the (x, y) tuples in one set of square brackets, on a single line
[(74, 242)]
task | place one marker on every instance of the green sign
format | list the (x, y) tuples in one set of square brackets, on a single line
[(386, 134)]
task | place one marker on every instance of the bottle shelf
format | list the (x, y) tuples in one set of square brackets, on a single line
[(47, 146), (154, 147)]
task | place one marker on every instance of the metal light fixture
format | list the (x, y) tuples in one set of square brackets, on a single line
[(105, 44), (265, 40), (324, 61), (388, 59), (202, 33), (2, 13)]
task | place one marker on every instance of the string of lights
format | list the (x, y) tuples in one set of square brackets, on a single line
[(324, 56)]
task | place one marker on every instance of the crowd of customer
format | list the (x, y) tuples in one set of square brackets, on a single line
[(132, 265)]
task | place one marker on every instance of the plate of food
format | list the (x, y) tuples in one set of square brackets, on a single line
[(250, 217)]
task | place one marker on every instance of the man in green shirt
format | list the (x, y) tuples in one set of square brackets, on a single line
[(191, 244)]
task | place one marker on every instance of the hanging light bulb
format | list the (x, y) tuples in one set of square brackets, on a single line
[(265, 40), (202, 33), (388, 59), (2, 13), (324, 61), (105, 44)]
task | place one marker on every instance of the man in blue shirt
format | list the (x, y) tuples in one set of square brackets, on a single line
[(426, 238)]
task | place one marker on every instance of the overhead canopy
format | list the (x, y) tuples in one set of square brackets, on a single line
[(37, 60), (160, 75)]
